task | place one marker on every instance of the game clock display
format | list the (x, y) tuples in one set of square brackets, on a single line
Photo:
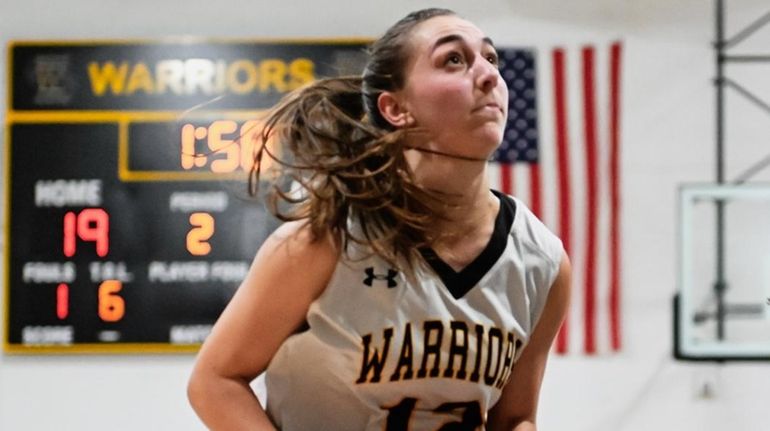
[(128, 220)]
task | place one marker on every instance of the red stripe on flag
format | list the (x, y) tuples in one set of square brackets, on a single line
[(506, 178), (562, 172), (534, 190), (592, 186), (614, 297)]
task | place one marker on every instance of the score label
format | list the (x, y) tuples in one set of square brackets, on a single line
[(128, 221)]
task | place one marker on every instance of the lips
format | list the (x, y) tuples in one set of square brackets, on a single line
[(488, 106)]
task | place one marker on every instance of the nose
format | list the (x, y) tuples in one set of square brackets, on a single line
[(487, 75)]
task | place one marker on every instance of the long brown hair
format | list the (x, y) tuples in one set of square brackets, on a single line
[(347, 162)]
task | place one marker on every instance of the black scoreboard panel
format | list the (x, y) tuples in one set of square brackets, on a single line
[(128, 222)]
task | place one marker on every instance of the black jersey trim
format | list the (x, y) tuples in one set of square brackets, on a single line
[(460, 283)]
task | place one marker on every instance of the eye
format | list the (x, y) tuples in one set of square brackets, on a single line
[(492, 58), (454, 58)]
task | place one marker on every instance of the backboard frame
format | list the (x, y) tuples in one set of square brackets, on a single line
[(684, 302)]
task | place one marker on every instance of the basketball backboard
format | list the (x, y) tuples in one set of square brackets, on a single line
[(734, 325)]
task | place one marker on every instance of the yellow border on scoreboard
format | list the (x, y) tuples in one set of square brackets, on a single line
[(123, 119), (7, 233), (175, 40), (7, 200), (102, 348), (127, 175)]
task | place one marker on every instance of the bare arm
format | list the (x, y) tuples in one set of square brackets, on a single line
[(517, 408), (287, 274)]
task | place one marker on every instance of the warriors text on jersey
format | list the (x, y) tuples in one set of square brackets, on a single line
[(390, 351)]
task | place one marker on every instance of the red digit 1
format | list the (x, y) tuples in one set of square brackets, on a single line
[(69, 233), (62, 301), (93, 225)]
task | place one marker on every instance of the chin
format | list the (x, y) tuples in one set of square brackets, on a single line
[(490, 139)]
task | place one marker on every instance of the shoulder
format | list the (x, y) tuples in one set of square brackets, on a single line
[(540, 252), (296, 239), (534, 236), (294, 249)]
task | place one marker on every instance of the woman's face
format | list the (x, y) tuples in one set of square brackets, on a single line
[(453, 89)]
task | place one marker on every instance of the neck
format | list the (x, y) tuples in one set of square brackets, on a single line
[(470, 206), (443, 154), (471, 211), (468, 203), (461, 178), (467, 227)]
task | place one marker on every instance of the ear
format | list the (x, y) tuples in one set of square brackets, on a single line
[(393, 110)]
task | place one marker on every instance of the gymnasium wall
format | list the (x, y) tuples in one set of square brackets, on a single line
[(667, 139)]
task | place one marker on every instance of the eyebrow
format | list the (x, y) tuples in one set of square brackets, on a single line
[(455, 38)]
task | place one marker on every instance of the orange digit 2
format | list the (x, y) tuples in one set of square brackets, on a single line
[(198, 237)]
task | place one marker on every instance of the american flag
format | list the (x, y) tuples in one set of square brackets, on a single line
[(560, 155)]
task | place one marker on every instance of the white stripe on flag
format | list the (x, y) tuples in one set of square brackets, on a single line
[(576, 133), (602, 90)]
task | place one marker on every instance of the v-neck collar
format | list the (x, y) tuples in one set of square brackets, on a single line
[(460, 283)]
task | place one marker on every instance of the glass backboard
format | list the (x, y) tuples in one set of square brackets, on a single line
[(733, 325)]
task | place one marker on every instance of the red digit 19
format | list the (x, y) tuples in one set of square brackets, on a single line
[(91, 225)]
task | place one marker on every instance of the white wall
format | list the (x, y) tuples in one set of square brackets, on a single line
[(668, 131)]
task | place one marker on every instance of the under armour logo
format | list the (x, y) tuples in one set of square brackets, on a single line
[(371, 276)]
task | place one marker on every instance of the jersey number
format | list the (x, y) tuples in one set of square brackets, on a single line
[(399, 415)]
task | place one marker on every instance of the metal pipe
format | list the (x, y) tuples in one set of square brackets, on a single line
[(747, 58), (748, 31), (719, 283), (727, 82)]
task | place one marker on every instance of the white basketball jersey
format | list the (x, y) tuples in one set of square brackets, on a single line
[(388, 351)]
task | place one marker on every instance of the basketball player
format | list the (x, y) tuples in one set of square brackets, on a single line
[(401, 294)]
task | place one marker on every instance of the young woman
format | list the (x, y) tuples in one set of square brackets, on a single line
[(401, 294)]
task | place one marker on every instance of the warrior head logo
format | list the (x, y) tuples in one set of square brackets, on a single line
[(51, 78)]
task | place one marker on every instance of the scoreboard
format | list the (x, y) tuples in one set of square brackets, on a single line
[(128, 221)]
